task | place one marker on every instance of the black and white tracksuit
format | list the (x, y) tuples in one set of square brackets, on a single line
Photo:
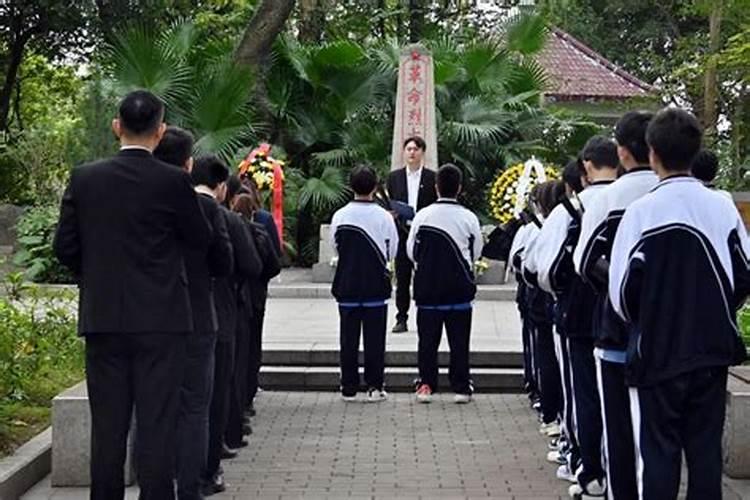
[(444, 241), (591, 258), (573, 316), (365, 238), (678, 272)]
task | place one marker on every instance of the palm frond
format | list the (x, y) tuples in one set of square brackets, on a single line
[(325, 191), (526, 33)]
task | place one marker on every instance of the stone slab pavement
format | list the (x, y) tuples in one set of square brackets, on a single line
[(314, 324), (315, 446)]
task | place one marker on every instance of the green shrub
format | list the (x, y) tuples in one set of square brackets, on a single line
[(40, 355), (36, 230), (743, 321)]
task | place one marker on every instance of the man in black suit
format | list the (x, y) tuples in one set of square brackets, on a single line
[(415, 185), (125, 224), (202, 268)]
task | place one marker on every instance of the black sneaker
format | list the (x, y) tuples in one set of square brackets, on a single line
[(348, 395), (214, 485), (400, 327)]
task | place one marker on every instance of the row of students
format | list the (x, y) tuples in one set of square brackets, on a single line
[(227, 284), (647, 270), (443, 243)]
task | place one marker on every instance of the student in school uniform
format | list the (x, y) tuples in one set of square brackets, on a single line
[(365, 237), (444, 241), (705, 166), (591, 260), (678, 273), (575, 303)]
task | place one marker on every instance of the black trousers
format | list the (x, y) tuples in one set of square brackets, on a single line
[(619, 451), (256, 353), (685, 413), (192, 423), (122, 370), (587, 408), (568, 410), (528, 367), (404, 270), (549, 371), (457, 324), (370, 323), (238, 385), (219, 412)]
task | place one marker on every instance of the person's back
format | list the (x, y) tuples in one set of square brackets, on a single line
[(124, 226), (678, 273)]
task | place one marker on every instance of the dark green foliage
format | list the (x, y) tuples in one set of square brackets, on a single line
[(35, 256), (40, 355)]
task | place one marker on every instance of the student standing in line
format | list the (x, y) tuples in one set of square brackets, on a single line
[(678, 274), (202, 268), (365, 237), (591, 260), (444, 241)]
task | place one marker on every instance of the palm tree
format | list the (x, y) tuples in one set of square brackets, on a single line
[(202, 89)]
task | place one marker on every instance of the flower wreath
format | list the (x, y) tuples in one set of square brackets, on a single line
[(508, 194)]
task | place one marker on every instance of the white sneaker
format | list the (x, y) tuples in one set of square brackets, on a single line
[(563, 473), (556, 457), (462, 399), (376, 395), (594, 489), (551, 429)]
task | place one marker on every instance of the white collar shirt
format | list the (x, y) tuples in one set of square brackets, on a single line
[(413, 181)]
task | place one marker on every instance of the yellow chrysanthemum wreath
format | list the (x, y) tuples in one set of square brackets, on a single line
[(506, 189)]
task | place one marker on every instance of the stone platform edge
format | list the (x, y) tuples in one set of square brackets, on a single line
[(28, 465)]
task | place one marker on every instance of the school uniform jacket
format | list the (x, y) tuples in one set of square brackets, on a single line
[(554, 265), (365, 238), (444, 242), (679, 271), (591, 255)]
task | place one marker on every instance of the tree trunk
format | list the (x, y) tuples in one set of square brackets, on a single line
[(312, 21), (14, 63), (416, 20), (710, 90), (261, 31)]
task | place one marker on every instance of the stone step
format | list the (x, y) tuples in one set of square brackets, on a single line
[(330, 357), (397, 379), (323, 291)]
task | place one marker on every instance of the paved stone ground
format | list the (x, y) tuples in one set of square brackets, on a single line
[(314, 323), (313, 446)]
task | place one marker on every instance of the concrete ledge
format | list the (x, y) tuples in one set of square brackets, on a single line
[(737, 425), (316, 356), (26, 467), (71, 439)]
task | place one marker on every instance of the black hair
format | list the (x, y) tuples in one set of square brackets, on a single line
[(175, 147), (630, 133), (449, 180), (234, 186), (601, 152), (705, 166), (363, 180), (418, 141), (209, 170), (572, 174), (141, 113), (675, 136), (548, 195)]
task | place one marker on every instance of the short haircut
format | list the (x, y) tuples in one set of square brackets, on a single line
[(140, 113), (363, 180), (449, 180), (675, 136), (418, 141), (175, 147), (705, 166), (572, 174), (601, 152), (244, 204), (209, 170), (630, 133)]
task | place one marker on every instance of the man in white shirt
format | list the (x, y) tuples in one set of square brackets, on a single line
[(415, 186)]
